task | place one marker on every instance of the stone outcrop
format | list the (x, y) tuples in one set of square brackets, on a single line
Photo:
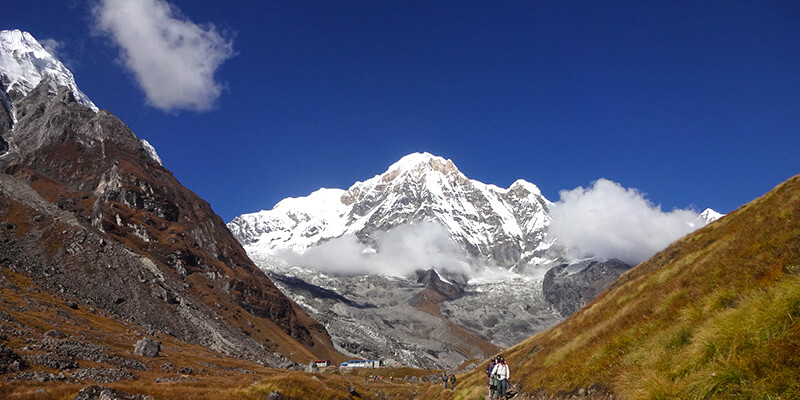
[(103, 375), (570, 287), (104, 393), (10, 361), (147, 348)]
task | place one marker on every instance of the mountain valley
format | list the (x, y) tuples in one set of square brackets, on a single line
[(367, 245), (113, 273)]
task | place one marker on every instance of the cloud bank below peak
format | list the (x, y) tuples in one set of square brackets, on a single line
[(398, 252), (607, 220), (172, 58)]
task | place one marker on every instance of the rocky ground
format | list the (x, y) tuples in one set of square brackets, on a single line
[(54, 344), (413, 322)]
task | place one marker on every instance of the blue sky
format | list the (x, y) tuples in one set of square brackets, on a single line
[(693, 103)]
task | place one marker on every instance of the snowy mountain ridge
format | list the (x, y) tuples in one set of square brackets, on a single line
[(495, 226), (24, 63)]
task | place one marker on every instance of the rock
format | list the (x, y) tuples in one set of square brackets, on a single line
[(186, 371), (104, 393), (147, 348), (432, 279), (5, 317), (93, 352), (275, 395), (54, 360), (10, 361), (175, 379), (40, 377), (54, 333), (103, 375), (568, 287)]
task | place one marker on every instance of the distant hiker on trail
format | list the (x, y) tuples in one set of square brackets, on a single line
[(501, 373), (453, 381), (491, 383), (444, 380)]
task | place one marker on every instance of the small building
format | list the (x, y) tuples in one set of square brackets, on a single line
[(362, 364), (322, 363)]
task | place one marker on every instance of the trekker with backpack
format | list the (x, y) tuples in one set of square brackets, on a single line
[(491, 383), (501, 373), (453, 382)]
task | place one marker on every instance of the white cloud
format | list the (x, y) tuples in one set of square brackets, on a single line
[(172, 58), (52, 46), (610, 221), (398, 252)]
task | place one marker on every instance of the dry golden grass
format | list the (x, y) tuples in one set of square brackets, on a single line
[(715, 315)]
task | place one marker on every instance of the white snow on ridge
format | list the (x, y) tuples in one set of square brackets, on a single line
[(708, 216), (151, 151), (294, 223), (24, 63)]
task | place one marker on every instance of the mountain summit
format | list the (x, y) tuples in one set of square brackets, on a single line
[(24, 63), (493, 226)]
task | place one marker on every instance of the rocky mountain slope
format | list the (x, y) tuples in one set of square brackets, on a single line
[(90, 214), (569, 287), (714, 315), (422, 320)]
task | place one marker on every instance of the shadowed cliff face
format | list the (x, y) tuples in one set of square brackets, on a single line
[(95, 217), (570, 287)]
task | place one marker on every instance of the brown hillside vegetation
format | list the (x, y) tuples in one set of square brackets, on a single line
[(714, 315), (181, 370)]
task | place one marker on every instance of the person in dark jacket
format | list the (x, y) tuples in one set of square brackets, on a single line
[(453, 381), (491, 383)]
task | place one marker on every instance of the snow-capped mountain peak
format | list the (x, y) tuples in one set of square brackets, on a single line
[(24, 63), (522, 184), (423, 161), (500, 227), (708, 216)]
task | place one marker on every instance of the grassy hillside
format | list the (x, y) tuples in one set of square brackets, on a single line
[(714, 315)]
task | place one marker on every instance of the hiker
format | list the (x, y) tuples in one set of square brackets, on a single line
[(444, 380), (501, 373), (491, 383), (453, 381)]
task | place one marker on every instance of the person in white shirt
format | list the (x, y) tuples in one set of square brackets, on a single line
[(501, 373)]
